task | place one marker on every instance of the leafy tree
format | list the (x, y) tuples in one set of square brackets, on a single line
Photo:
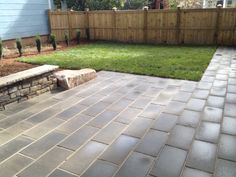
[(135, 4)]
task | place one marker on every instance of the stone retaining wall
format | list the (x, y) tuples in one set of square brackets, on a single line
[(27, 84), (29, 88)]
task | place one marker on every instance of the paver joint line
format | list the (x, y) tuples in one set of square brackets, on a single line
[(139, 124)]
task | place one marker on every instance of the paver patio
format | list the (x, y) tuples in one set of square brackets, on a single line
[(123, 125)]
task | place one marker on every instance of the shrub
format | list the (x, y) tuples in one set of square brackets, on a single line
[(78, 36), (67, 39), (1, 48), (19, 46), (53, 41), (38, 43), (87, 34)]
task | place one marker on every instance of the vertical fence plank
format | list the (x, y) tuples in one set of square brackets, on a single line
[(187, 26)]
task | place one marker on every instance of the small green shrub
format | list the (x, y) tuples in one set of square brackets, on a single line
[(88, 34), (67, 38), (19, 46), (53, 41), (1, 48), (38, 43), (78, 36)]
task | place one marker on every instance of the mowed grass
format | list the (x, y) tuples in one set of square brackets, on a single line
[(181, 62)]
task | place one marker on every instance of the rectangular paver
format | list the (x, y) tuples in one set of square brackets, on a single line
[(13, 146), (152, 143), (13, 165), (117, 152), (82, 158), (208, 131), (101, 169), (78, 138), (165, 122), (181, 137), (137, 165), (170, 162), (138, 127), (44, 144), (110, 132), (152, 111), (202, 156), (227, 147)]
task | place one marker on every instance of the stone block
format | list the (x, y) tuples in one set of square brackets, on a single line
[(12, 89), (68, 79)]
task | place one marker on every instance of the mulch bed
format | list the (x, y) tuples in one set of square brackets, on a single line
[(10, 65)]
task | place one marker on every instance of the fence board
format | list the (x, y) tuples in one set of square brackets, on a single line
[(184, 26)]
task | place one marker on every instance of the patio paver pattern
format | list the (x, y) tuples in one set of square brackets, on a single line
[(123, 125)]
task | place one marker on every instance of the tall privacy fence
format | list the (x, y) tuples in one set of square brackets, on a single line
[(181, 26)]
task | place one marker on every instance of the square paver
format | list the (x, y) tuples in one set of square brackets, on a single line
[(165, 122), (230, 110), (128, 115), (175, 107), (204, 85), (215, 101), (163, 98), (101, 169), (200, 94), (182, 96), (118, 150), (181, 137), (231, 88), (227, 147), (229, 125), (188, 87), (152, 142), (219, 83), (195, 104), (189, 172), (218, 91), (208, 132), (79, 161), (232, 81), (110, 132), (137, 165), (189, 118), (212, 114), (231, 98), (152, 111), (225, 168), (202, 156), (170, 162), (138, 127)]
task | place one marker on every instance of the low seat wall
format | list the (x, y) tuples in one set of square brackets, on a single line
[(29, 83)]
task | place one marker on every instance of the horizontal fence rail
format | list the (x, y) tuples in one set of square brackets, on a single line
[(180, 26)]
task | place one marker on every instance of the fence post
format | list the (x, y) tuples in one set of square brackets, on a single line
[(87, 30), (114, 24), (145, 23), (49, 21), (216, 33), (178, 25), (69, 24)]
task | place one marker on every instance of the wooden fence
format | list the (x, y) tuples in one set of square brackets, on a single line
[(181, 26)]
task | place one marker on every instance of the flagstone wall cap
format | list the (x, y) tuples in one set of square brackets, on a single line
[(20, 76)]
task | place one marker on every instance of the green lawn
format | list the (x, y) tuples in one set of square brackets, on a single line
[(182, 62)]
